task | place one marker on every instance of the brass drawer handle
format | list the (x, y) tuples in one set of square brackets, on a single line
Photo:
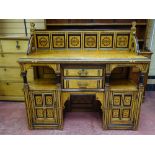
[(83, 72), (82, 84), (17, 44)]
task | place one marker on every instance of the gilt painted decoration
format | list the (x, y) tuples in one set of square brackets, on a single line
[(122, 41), (90, 40), (43, 40), (106, 41), (74, 40), (58, 40)]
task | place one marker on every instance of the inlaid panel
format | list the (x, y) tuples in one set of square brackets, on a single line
[(122, 40), (43, 40), (58, 40), (39, 113), (127, 100), (116, 113), (50, 113), (49, 99), (106, 41), (90, 40), (38, 100), (74, 40), (126, 113), (117, 100)]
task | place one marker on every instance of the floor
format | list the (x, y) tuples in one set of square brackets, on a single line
[(13, 121)]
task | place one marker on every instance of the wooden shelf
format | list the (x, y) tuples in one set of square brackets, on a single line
[(43, 84), (87, 24), (123, 85)]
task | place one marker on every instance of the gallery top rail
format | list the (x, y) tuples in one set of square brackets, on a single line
[(83, 40)]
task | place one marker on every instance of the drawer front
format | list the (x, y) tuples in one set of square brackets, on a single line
[(83, 72), (82, 83), (11, 89), (14, 45), (10, 59), (13, 74)]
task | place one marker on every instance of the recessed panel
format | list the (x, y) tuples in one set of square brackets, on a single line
[(49, 99), (58, 40), (43, 40), (127, 100), (74, 41), (38, 100), (106, 41), (122, 40), (115, 113), (90, 40), (116, 100)]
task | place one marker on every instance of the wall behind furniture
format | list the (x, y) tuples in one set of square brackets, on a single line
[(19, 27), (150, 43)]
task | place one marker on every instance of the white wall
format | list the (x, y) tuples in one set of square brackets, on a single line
[(151, 45)]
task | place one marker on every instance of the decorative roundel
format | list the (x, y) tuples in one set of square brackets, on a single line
[(43, 41), (59, 41), (90, 41), (74, 41), (106, 41), (122, 41)]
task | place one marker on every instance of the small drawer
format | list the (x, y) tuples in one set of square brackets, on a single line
[(10, 59), (83, 72), (83, 83), (14, 46), (13, 74), (11, 89)]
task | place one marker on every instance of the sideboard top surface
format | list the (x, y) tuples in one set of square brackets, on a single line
[(83, 56)]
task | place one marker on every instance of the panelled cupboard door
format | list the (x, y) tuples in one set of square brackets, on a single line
[(45, 109), (122, 108)]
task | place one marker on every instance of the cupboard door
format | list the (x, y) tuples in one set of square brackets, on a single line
[(44, 108), (121, 108)]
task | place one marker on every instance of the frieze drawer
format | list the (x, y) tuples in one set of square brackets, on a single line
[(13, 74), (83, 72), (12, 46), (83, 84), (11, 88)]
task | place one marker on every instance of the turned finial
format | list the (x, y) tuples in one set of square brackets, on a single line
[(133, 28), (32, 27)]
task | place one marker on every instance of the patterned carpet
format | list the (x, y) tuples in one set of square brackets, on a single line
[(13, 121)]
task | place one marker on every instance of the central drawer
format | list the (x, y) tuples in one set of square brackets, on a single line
[(83, 72), (83, 83)]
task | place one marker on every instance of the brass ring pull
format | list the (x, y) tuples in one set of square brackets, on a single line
[(83, 72), (82, 84), (17, 44)]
